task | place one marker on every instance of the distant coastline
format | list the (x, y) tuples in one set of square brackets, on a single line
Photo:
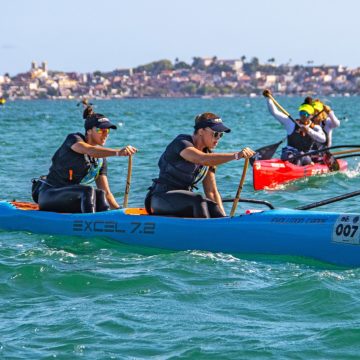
[(204, 77)]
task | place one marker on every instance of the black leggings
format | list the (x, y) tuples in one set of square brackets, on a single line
[(184, 203), (72, 199)]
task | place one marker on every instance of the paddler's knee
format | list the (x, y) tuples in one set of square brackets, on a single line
[(306, 160), (199, 198)]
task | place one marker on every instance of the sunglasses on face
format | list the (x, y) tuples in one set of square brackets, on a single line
[(304, 113), (103, 131), (216, 134)]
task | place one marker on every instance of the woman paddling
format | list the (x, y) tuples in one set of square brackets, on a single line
[(302, 135), (186, 161), (80, 160), (326, 118)]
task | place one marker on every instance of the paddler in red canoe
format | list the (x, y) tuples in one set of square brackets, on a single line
[(325, 117), (303, 135)]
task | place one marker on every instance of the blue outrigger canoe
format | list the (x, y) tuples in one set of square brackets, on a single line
[(325, 236)]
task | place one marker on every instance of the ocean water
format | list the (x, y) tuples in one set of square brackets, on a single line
[(76, 298)]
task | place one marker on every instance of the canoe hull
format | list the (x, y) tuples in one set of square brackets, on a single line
[(268, 174), (329, 237)]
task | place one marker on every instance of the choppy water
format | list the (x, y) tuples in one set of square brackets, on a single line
[(71, 298)]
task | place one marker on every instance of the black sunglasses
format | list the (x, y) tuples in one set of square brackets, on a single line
[(216, 134)]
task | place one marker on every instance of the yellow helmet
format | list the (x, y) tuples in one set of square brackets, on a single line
[(318, 105), (306, 108)]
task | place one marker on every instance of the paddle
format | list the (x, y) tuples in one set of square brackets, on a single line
[(346, 152), (252, 201), (329, 201), (128, 181), (304, 207), (335, 166), (347, 156), (329, 160), (237, 197), (84, 102), (317, 151), (265, 152), (353, 152), (269, 95)]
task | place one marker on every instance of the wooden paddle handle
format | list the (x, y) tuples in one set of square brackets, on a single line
[(128, 182), (278, 105), (346, 152), (237, 197)]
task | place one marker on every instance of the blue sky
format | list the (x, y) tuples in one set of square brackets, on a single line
[(84, 36)]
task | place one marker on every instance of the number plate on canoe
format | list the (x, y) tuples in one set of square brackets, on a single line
[(346, 230)]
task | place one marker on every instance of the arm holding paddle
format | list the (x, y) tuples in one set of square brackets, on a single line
[(282, 118), (314, 131), (197, 156), (102, 180), (94, 151), (211, 159), (279, 116), (331, 123), (335, 122)]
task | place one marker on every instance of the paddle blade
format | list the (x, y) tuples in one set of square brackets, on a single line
[(331, 162), (265, 152)]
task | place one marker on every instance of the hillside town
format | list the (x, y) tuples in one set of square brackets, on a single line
[(204, 77)]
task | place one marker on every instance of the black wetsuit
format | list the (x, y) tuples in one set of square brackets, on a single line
[(65, 189), (171, 193)]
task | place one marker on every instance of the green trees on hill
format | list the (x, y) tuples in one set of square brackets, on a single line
[(155, 67)]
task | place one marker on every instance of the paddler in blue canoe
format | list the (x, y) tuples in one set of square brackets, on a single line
[(187, 161), (303, 135), (80, 160)]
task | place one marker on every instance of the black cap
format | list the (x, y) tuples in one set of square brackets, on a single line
[(212, 121), (99, 121)]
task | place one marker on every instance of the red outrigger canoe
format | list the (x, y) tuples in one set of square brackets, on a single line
[(271, 173)]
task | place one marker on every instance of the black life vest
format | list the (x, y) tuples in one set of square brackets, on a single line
[(176, 172), (298, 141), (69, 167)]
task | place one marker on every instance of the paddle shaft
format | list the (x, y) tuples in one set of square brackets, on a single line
[(329, 158), (347, 156), (329, 201), (346, 152), (252, 201), (313, 152), (237, 197), (281, 108), (128, 182)]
